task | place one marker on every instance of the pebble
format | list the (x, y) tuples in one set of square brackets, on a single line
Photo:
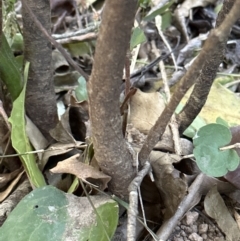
[(203, 228), (191, 217), (188, 230), (204, 236), (178, 239), (218, 239), (194, 228), (183, 233), (195, 237)]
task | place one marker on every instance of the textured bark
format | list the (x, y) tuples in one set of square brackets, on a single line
[(110, 147), (40, 96)]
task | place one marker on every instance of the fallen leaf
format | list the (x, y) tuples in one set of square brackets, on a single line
[(216, 209), (9, 189), (170, 182), (62, 132), (145, 108), (7, 177), (55, 150), (221, 102), (85, 172)]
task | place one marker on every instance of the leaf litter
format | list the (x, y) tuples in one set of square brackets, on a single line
[(145, 111)]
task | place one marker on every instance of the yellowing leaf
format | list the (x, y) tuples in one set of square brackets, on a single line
[(222, 103)]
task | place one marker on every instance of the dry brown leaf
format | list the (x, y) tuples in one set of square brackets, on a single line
[(145, 108), (7, 177), (62, 131), (9, 189), (57, 149), (216, 209), (170, 182), (36, 138), (85, 172), (167, 143)]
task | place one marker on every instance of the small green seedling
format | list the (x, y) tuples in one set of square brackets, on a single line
[(210, 159)]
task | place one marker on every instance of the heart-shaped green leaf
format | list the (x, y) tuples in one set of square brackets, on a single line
[(209, 158)]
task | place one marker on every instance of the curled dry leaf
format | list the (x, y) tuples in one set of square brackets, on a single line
[(7, 177), (170, 182), (9, 189), (57, 149), (62, 131), (85, 172)]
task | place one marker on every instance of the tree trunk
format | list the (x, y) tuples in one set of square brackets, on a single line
[(40, 96), (110, 147)]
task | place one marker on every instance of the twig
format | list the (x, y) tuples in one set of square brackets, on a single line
[(133, 201), (77, 33), (82, 38), (41, 151), (158, 20), (193, 197), (127, 90), (236, 145), (95, 210)]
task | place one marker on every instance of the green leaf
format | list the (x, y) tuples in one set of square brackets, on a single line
[(9, 70), (81, 90), (9, 5), (17, 43), (78, 49), (195, 125), (137, 37), (166, 20), (213, 133), (20, 140), (159, 11), (50, 214), (209, 158), (144, 3), (221, 121)]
